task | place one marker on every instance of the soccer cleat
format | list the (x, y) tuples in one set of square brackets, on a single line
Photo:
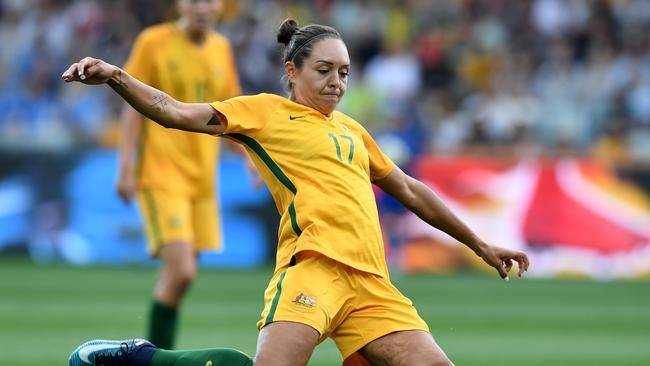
[(107, 353)]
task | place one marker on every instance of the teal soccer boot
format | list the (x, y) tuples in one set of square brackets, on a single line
[(108, 353)]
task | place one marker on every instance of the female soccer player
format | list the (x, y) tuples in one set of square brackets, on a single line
[(170, 171), (331, 278)]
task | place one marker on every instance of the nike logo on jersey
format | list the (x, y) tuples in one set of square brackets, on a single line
[(295, 117)]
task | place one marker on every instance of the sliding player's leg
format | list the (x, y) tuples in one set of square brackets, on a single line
[(139, 352)]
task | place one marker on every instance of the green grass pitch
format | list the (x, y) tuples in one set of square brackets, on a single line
[(45, 312)]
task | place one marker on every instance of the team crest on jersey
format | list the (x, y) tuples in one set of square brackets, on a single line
[(304, 300)]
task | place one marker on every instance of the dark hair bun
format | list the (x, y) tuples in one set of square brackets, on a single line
[(286, 31)]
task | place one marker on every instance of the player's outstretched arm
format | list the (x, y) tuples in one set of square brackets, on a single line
[(151, 102), (422, 201)]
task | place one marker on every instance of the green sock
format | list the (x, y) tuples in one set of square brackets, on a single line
[(162, 325), (201, 357)]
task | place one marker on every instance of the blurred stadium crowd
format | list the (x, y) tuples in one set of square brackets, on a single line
[(523, 88), (541, 76)]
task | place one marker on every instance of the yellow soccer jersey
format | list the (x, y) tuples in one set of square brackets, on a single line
[(319, 170), (165, 58)]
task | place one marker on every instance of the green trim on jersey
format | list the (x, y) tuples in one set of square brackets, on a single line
[(275, 169), (292, 215), (153, 215), (259, 150), (276, 298)]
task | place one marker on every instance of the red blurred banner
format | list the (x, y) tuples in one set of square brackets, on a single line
[(573, 216)]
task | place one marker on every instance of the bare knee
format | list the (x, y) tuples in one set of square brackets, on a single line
[(177, 272), (413, 348), (182, 278), (419, 359), (172, 287)]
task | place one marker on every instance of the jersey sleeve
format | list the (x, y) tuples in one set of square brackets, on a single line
[(380, 164), (245, 115), (139, 64)]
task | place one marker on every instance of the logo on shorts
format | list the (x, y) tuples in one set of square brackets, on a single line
[(175, 221), (304, 300)]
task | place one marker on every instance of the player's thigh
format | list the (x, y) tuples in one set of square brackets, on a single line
[(380, 309), (206, 223), (166, 217), (405, 348), (285, 343)]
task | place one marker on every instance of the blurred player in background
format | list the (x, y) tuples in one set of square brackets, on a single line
[(331, 277), (172, 172)]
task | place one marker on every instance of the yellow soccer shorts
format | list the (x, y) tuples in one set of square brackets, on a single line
[(352, 307), (171, 218)]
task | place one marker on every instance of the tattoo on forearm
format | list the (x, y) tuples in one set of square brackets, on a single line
[(118, 83), (214, 120), (159, 102)]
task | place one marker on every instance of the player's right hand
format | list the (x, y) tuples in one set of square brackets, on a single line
[(90, 71), (126, 184), (253, 173)]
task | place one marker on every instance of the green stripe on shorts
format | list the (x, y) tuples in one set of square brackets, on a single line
[(153, 215), (276, 298)]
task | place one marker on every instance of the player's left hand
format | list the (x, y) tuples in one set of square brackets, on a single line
[(502, 259)]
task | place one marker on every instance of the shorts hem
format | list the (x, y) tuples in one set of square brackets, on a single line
[(307, 323), (154, 250)]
